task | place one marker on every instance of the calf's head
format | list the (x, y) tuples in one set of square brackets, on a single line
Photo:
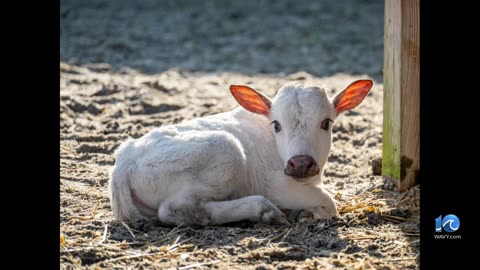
[(301, 117)]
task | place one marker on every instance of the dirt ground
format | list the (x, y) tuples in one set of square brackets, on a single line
[(127, 68)]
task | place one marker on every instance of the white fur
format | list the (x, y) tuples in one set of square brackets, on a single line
[(227, 167)]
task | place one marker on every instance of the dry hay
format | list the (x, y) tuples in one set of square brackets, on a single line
[(159, 246)]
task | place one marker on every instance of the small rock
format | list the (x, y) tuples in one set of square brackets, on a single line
[(321, 226), (98, 67), (94, 109), (388, 184), (108, 89), (372, 144), (324, 253), (64, 67), (377, 166), (332, 244), (112, 127), (301, 75)]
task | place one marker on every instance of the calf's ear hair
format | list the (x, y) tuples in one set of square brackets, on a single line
[(352, 95), (251, 100)]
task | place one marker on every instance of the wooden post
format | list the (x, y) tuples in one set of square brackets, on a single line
[(401, 106)]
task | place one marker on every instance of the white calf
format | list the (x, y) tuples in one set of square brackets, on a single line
[(242, 164)]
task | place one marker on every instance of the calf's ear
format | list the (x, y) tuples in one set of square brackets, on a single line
[(250, 99), (352, 95)]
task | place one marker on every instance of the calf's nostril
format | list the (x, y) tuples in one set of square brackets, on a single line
[(309, 164), (291, 164)]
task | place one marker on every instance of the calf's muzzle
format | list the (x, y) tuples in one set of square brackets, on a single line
[(301, 166)]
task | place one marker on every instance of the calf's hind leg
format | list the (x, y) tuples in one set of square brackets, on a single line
[(189, 210), (200, 199)]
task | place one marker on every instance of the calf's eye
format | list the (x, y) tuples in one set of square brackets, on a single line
[(276, 126), (326, 123)]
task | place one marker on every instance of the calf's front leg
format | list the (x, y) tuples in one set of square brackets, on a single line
[(290, 194)]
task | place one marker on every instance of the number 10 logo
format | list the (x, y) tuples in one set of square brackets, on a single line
[(449, 223)]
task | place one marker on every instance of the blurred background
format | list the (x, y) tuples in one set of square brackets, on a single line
[(251, 37)]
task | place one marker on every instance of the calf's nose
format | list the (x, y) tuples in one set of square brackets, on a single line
[(301, 166), (301, 162)]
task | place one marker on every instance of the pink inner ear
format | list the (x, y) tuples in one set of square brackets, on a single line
[(352, 95), (250, 99)]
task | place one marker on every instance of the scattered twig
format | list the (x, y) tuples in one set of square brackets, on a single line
[(285, 236), (338, 192), (394, 217), (92, 216), (144, 234), (183, 241), (174, 229), (176, 240), (104, 234), (392, 220), (81, 217), (323, 263), (118, 249), (198, 264), (64, 147), (128, 229), (362, 141), (154, 243), (351, 221), (131, 257), (402, 259), (187, 246), (76, 249), (363, 238), (277, 236), (99, 244), (172, 248)]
